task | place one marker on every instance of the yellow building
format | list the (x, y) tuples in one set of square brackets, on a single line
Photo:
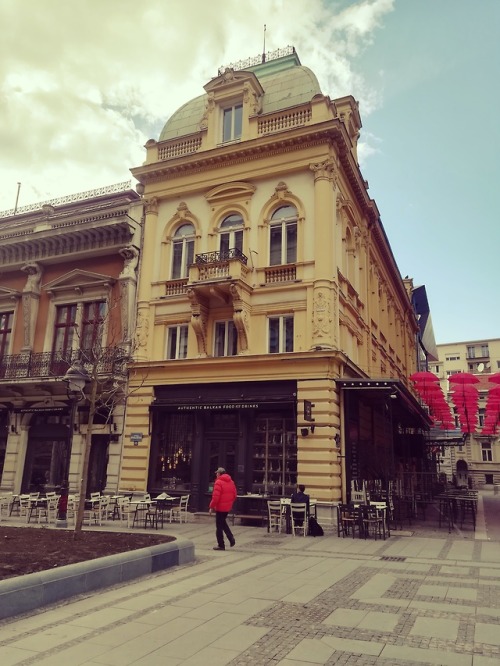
[(273, 324)]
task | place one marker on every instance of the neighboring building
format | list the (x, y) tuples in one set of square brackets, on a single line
[(478, 457), (273, 323), (67, 294)]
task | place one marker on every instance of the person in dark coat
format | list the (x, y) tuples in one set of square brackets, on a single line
[(300, 497), (223, 498)]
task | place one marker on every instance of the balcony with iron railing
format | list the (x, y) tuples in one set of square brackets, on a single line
[(221, 265), (46, 365)]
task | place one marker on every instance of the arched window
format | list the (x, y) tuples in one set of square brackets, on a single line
[(183, 251), (283, 236), (231, 235)]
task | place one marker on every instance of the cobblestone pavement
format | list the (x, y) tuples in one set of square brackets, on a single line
[(423, 597)]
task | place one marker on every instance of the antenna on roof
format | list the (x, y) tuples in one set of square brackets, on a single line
[(17, 197), (264, 49)]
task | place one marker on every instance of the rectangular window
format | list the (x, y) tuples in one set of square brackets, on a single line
[(283, 240), (226, 339), (177, 341), (232, 123), (5, 332), (486, 452), (280, 334), (471, 352), (183, 255), (453, 357), (64, 329), (92, 326), (485, 350)]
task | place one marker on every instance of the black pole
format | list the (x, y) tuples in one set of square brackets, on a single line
[(62, 506)]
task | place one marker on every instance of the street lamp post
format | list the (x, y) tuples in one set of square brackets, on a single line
[(75, 378)]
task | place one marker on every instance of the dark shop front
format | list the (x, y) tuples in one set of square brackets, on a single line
[(250, 428)]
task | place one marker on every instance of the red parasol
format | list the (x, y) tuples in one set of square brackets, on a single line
[(463, 378), (424, 377)]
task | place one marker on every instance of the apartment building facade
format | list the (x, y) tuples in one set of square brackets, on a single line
[(477, 457), (272, 321), (68, 275)]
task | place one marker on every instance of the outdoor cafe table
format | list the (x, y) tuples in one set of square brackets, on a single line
[(457, 506)]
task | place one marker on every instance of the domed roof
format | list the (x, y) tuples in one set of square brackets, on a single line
[(282, 89)]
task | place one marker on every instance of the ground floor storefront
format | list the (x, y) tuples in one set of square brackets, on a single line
[(288, 423), (43, 449)]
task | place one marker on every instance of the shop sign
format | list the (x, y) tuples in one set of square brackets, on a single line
[(34, 410), (217, 406), (135, 436)]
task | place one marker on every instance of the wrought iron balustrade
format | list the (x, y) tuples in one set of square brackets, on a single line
[(220, 256), (55, 364)]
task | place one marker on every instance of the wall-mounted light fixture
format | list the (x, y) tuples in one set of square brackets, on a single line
[(304, 432), (337, 440)]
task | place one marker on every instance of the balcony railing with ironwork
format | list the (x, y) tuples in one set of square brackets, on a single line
[(55, 364), (221, 256)]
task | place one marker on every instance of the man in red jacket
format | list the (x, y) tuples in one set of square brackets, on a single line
[(223, 497)]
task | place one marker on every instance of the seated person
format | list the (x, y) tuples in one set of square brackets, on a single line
[(300, 497)]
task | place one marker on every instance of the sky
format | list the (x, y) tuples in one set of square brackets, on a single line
[(84, 85)]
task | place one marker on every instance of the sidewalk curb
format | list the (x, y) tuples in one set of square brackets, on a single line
[(26, 593)]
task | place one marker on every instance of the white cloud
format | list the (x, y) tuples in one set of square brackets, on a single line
[(83, 85)]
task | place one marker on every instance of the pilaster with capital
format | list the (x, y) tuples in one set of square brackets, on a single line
[(324, 216), (128, 286)]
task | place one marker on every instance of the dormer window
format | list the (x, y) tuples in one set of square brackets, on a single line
[(232, 123)]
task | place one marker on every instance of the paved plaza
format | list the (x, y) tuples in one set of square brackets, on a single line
[(423, 596)]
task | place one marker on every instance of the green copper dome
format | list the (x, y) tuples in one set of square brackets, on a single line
[(286, 83)]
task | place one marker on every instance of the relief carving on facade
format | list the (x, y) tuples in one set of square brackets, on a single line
[(208, 110), (198, 321), (130, 256), (142, 329), (30, 301), (240, 319), (325, 170), (253, 100), (151, 206), (322, 318)]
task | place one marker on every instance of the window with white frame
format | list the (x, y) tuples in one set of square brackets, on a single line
[(182, 251), (280, 334), (177, 337), (283, 236), (226, 339), (5, 332), (231, 235), (486, 452), (232, 122)]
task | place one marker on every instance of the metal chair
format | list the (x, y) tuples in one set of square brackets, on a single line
[(349, 519), (373, 522)]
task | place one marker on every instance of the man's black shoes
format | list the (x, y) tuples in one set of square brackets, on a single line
[(219, 548), (232, 543)]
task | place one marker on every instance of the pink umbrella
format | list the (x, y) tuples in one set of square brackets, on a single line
[(463, 378), (495, 378), (424, 377)]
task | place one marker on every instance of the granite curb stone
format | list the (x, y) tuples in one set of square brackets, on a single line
[(26, 593)]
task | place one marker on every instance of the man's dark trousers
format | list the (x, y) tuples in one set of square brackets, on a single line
[(221, 528)]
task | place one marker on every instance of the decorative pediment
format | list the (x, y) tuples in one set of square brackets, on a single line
[(230, 192), (9, 296), (230, 80), (79, 282)]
